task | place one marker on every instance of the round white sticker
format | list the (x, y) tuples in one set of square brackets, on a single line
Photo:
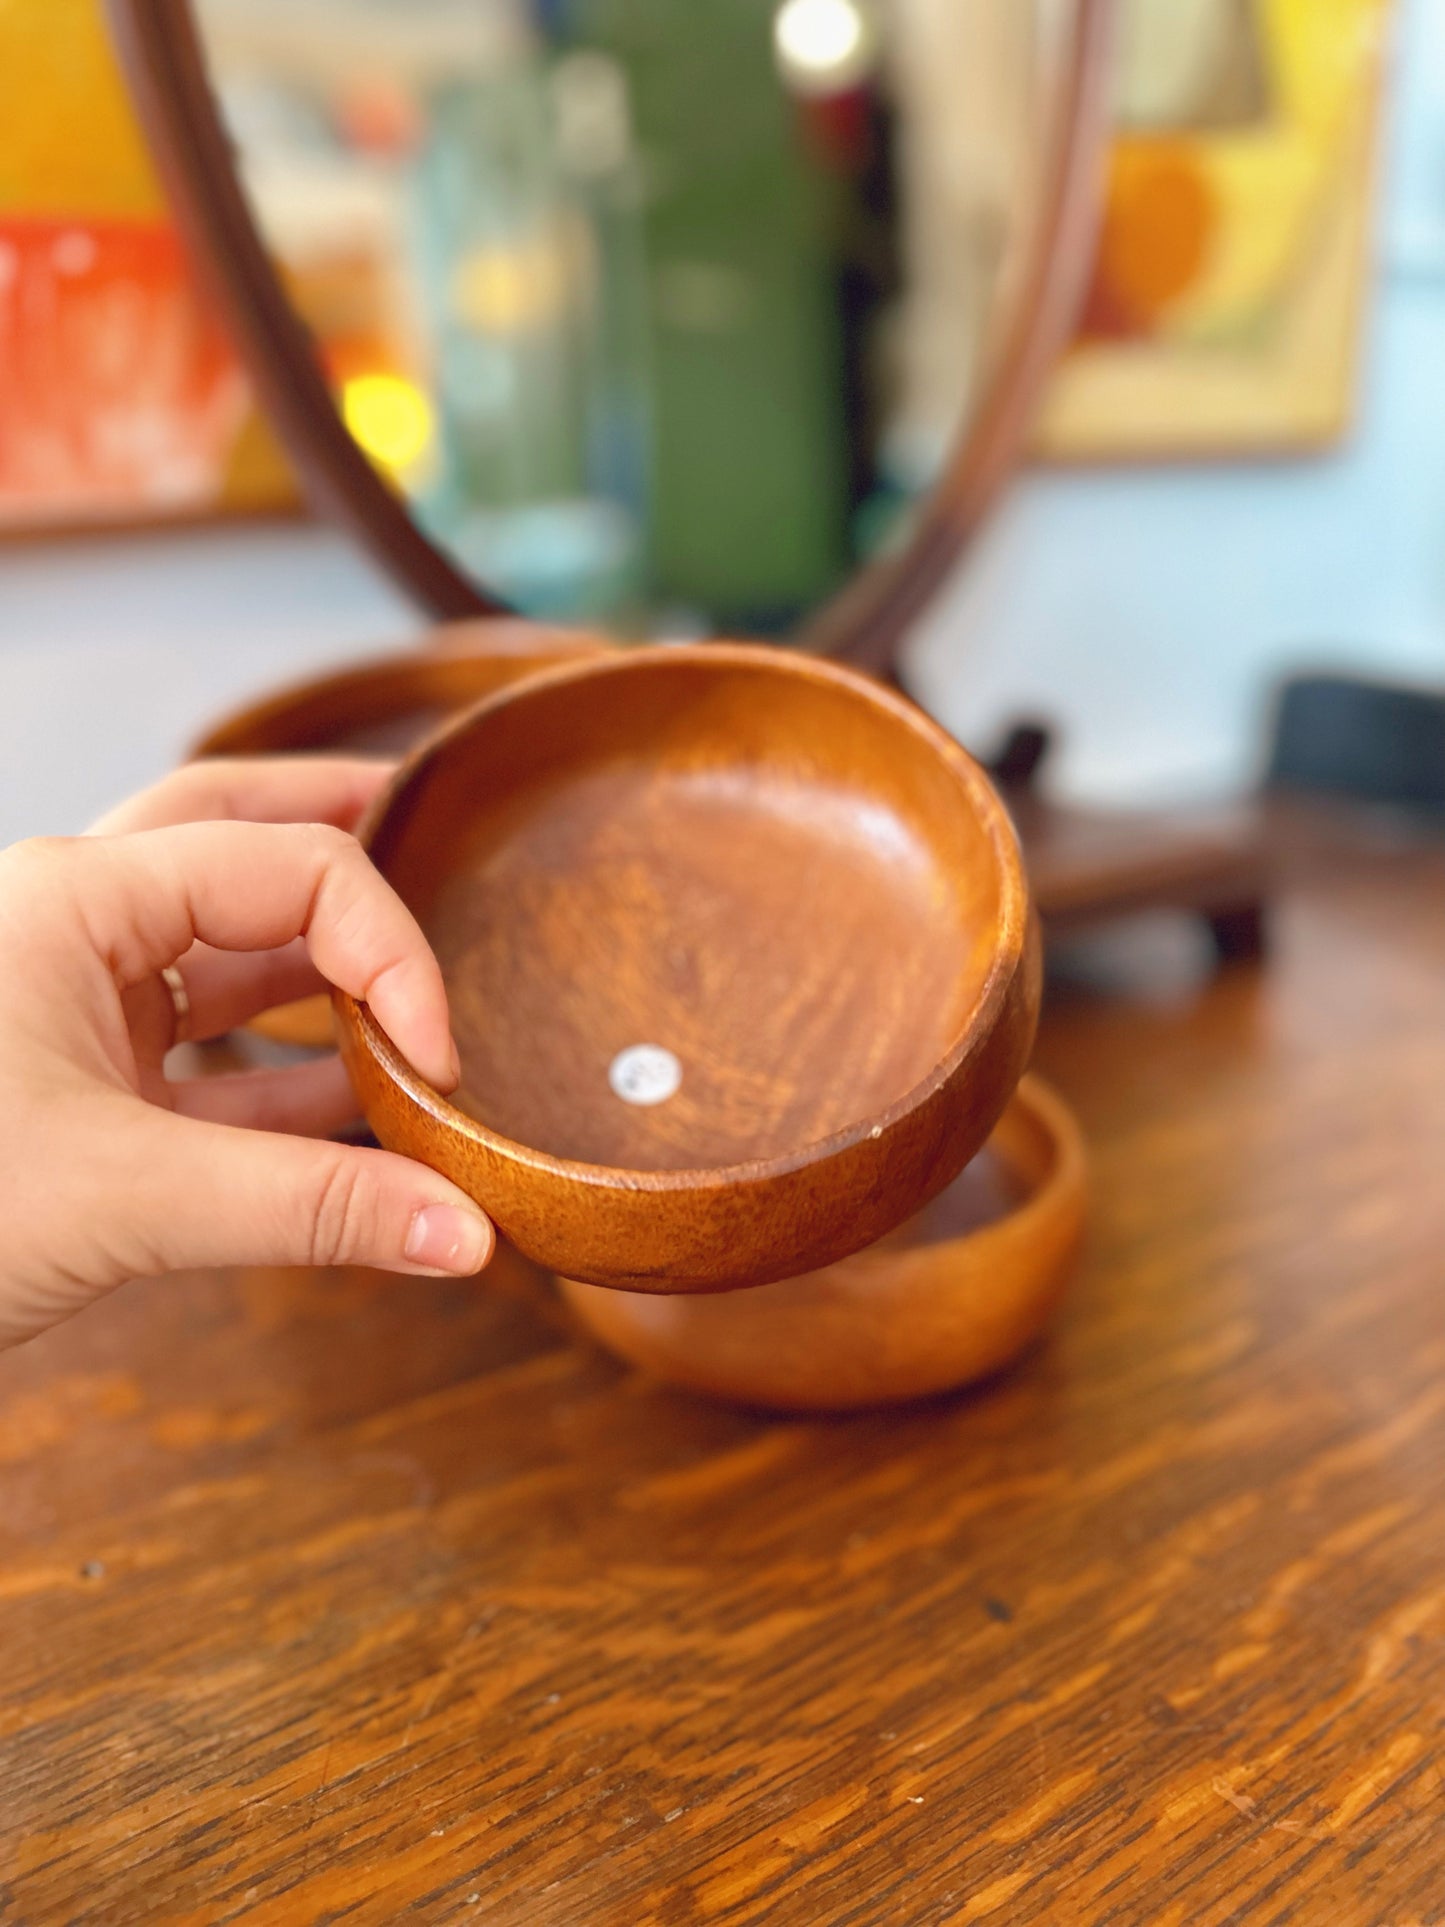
[(645, 1074)]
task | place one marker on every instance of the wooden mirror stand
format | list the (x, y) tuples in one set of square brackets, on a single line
[(1084, 865)]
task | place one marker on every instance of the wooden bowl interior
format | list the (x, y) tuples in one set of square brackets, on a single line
[(775, 877)]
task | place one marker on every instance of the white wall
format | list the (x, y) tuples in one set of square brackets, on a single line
[(116, 652), (1149, 611)]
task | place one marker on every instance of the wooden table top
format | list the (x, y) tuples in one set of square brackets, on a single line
[(330, 1597)]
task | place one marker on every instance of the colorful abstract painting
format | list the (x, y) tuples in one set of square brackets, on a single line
[(1233, 263), (120, 396)]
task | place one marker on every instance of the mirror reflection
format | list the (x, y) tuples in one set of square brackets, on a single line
[(660, 312)]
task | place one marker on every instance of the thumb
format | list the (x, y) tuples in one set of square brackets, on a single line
[(225, 1196)]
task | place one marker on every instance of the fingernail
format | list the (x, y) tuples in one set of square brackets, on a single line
[(449, 1241)]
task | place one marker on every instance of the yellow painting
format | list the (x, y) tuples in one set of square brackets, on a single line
[(1233, 264)]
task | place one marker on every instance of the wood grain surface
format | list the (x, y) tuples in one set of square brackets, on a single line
[(343, 1598)]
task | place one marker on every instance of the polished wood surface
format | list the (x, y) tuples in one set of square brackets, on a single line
[(341, 1597), (951, 1296), (769, 868), (1091, 866)]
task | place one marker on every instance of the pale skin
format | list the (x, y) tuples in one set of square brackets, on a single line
[(243, 876)]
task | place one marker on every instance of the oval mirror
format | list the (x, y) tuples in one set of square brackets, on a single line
[(661, 316)]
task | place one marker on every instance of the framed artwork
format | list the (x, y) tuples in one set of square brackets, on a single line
[(121, 400), (1233, 263)]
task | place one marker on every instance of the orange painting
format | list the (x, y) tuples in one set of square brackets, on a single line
[(1225, 311), (120, 396)]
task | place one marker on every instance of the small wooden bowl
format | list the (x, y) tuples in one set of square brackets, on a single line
[(740, 960), (385, 707), (955, 1294)]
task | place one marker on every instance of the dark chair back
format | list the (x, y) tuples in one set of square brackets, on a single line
[(1381, 742)]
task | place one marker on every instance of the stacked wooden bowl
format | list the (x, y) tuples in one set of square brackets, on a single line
[(744, 980)]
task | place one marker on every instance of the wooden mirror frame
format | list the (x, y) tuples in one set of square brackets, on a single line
[(164, 62)]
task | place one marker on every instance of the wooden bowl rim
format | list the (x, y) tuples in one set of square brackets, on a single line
[(976, 1029), (458, 643), (956, 1311), (1065, 1177)]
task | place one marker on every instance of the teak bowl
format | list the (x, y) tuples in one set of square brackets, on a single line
[(952, 1296), (740, 959), (385, 707)]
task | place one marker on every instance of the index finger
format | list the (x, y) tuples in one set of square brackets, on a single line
[(144, 899), (259, 789)]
